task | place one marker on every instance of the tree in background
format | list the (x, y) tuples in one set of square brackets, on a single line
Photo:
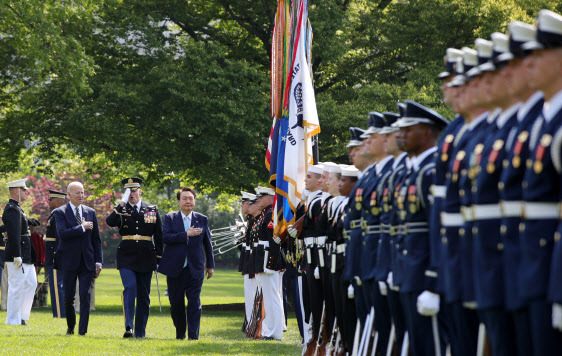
[(179, 90)]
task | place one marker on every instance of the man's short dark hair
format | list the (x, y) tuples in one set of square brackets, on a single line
[(186, 189)]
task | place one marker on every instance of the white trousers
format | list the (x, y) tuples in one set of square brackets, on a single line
[(270, 284), (4, 288), (22, 283), (250, 287)]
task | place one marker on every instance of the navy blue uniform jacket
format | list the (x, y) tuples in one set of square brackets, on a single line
[(179, 246)]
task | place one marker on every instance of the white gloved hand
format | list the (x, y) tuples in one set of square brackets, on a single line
[(382, 288), (126, 195), (390, 282), (358, 281), (350, 292), (317, 273), (557, 316), (428, 303), (17, 262), (292, 231), (277, 240)]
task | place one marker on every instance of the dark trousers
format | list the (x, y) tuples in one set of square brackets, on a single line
[(546, 339), (85, 278), (56, 291), (316, 298), (420, 328), (136, 286), (361, 298), (522, 328), (345, 310), (397, 313), (179, 288), (326, 278), (383, 322), (292, 281), (499, 330), (464, 333)]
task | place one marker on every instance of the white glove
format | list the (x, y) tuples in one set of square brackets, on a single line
[(382, 288), (317, 273), (350, 292), (292, 231), (277, 240), (557, 316), (428, 303), (17, 262), (358, 281), (126, 195), (390, 283)]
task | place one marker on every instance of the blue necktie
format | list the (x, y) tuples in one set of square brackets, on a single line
[(186, 225)]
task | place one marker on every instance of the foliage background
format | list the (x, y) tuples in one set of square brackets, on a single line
[(177, 91)]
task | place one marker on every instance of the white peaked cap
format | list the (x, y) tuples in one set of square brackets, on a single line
[(350, 171), (20, 183)]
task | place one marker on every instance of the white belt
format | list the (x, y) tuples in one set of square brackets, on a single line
[(373, 229), (321, 240), (438, 191), (486, 211), (467, 213), (511, 209), (341, 248), (255, 244), (309, 241), (264, 243), (451, 219), (541, 210), (354, 224), (248, 248), (243, 244)]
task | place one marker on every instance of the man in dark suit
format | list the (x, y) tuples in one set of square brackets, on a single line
[(188, 250), (79, 254)]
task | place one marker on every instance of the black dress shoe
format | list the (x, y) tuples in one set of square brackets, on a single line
[(191, 339), (180, 337), (23, 322), (70, 331), (82, 334), (128, 333)]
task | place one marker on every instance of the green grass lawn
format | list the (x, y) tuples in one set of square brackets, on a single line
[(220, 330)]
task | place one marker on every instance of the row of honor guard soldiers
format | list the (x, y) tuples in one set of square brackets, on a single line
[(263, 264), (140, 227), (445, 234)]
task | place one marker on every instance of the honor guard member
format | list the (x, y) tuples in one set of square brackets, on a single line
[(249, 284), (56, 200), (345, 305), (510, 191), (2, 250), (487, 245), (22, 280), (321, 251), (419, 130), (443, 158), (385, 249), (541, 191), (353, 224), (309, 234), (138, 254), (374, 147), (270, 265), (455, 257)]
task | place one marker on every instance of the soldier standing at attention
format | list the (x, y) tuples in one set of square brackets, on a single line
[(22, 280), (138, 254), (56, 200)]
